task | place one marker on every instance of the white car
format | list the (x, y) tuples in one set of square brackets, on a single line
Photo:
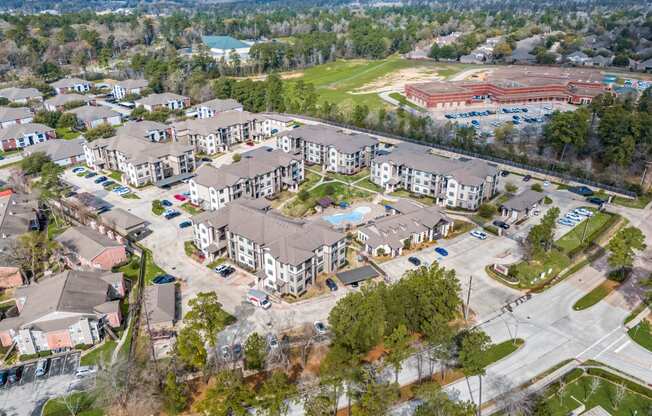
[(574, 217), (221, 267), (546, 183), (479, 234), (320, 328), (583, 211), (78, 170), (85, 370)]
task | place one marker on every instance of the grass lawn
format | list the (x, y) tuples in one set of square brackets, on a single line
[(190, 208), (499, 351), (215, 263), (84, 401), (634, 313), (115, 175), (9, 153), (402, 193), (528, 272), (130, 196), (66, 133), (338, 191), (591, 228), (53, 229), (461, 227), (595, 296), (102, 353), (364, 173), (367, 184), (640, 202), (404, 101), (642, 335), (337, 82), (130, 270), (579, 388)]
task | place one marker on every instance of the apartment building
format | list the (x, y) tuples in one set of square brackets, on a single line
[(71, 85), (287, 254), (409, 224), (89, 116), (129, 86), (329, 147), (167, 100), (259, 173), (218, 134), (152, 131), (20, 136), (21, 95), (214, 107), (58, 313), (140, 161), (461, 183), (15, 115), (277, 123)]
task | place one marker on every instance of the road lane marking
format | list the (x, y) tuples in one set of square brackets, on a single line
[(597, 342), (610, 345), (621, 347)]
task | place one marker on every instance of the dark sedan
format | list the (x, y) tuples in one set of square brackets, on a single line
[(415, 261), (163, 279)]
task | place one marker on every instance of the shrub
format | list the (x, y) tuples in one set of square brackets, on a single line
[(487, 211), (537, 187), (547, 200), (510, 187), (157, 207), (491, 229), (237, 157)]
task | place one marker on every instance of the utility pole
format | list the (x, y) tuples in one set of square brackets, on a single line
[(586, 226), (468, 298)]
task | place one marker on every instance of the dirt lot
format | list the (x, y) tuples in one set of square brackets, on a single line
[(396, 80)]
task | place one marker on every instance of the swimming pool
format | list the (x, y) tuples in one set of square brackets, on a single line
[(353, 217)]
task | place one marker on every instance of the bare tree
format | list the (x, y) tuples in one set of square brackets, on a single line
[(511, 399), (561, 391), (73, 402), (594, 385), (619, 395)]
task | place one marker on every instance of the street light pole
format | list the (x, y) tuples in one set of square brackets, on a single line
[(468, 298)]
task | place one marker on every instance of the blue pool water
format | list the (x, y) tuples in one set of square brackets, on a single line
[(354, 216)]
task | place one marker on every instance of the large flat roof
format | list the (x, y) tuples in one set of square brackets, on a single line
[(357, 275)]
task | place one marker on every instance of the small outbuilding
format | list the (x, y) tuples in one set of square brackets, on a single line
[(522, 205)]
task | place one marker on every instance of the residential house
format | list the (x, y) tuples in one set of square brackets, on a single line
[(601, 61), (71, 85), (59, 102), (90, 117), (21, 95), (161, 307), (123, 223), (140, 161), (15, 115), (644, 66), (287, 254), (20, 136), (129, 87), (214, 107), (218, 134), (578, 58), (85, 248), (332, 149), (462, 183), (58, 313), (259, 173), (19, 214), (522, 205), (145, 129), (167, 100), (411, 224), (61, 152)]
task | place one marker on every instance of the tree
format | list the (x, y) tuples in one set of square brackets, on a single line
[(49, 118), (435, 402), (619, 395), (618, 131), (33, 163), (103, 131), (67, 120), (566, 129), (537, 187), (174, 394), (303, 195), (359, 114), (439, 336), (502, 49), (275, 394), (32, 251), (255, 351), (376, 396), (236, 157), (228, 397), (622, 247), (510, 187), (206, 316), (487, 211), (594, 385), (318, 403), (473, 347), (339, 366), (190, 348), (398, 343)]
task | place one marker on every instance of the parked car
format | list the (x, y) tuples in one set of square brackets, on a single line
[(42, 367), (566, 222), (258, 298), (90, 175), (172, 214), (583, 211), (415, 261), (479, 234), (180, 197), (331, 284), (78, 169), (85, 370), (185, 224), (581, 190), (441, 251), (504, 173), (3, 378), (166, 203), (574, 217), (595, 200), (501, 224), (162, 279), (221, 267), (272, 342), (320, 328), (546, 183), (14, 375), (100, 179), (227, 271), (527, 178)]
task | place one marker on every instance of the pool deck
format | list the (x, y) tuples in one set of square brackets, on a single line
[(376, 211)]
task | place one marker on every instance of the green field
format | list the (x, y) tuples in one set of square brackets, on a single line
[(338, 81), (100, 354), (590, 228), (642, 335), (83, 402)]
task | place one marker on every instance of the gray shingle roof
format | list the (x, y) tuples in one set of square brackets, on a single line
[(140, 128), (130, 84), (218, 105), (123, 220), (160, 99), (524, 200), (62, 99), (206, 126), (330, 136), (69, 82), (161, 303), (14, 113), (14, 93), (90, 113), (85, 242), (59, 149), (138, 150), (19, 130)]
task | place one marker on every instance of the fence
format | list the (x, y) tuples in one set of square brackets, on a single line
[(488, 158)]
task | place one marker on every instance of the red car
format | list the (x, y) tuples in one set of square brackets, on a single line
[(180, 197)]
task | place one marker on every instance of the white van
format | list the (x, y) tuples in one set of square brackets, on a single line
[(258, 298)]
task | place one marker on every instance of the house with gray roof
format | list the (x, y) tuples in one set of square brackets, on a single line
[(124, 223), (21, 95), (15, 115), (414, 224), (161, 306), (167, 100), (90, 116), (19, 136), (218, 134), (262, 172), (330, 148), (61, 152), (60, 312), (215, 107), (522, 205), (286, 254), (461, 183), (71, 85), (61, 101), (140, 161), (129, 86), (86, 248)]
